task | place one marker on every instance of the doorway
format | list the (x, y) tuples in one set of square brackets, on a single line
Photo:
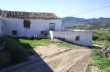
[(52, 26)]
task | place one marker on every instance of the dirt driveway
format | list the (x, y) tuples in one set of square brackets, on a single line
[(65, 60), (54, 59), (49, 50)]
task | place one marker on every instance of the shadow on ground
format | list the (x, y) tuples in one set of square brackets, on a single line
[(33, 64)]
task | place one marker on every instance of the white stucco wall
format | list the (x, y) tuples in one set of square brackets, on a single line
[(37, 25), (85, 36), (1, 27)]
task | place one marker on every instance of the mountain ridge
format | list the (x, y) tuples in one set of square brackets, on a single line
[(74, 20)]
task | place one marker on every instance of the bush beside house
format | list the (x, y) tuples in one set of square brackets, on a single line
[(17, 52), (4, 58)]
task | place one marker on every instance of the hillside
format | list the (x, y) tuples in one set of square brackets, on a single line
[(81, 23)]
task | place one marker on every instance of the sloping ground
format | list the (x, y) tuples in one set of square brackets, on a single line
[(49, 50), (71, 60), (93, 69)]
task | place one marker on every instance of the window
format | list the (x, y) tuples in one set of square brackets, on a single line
[(26, 23), (14, 32), (77, 38), (43, 32), (52, 26)]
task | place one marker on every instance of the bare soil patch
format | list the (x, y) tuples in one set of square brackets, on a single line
[(49, 50)]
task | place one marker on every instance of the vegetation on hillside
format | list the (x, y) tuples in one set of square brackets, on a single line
[(100, 61), (102, 39), (101, 35), (92, 26)]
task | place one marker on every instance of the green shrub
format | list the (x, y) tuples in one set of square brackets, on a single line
[(95, 36), (15, 48), (105, 36), (101, 35), (4, 58)]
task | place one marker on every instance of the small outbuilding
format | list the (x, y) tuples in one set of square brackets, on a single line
[(80, 37)]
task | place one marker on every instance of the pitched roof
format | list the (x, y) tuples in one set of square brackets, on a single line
[(28, 15)]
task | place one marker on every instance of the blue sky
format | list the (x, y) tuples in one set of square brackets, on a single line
[(61, 8)]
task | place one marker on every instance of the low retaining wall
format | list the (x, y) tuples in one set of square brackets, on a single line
[(77, 37)]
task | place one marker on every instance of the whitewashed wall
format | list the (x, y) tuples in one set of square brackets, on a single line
[(1, 27), (85, 36), (37, 25)]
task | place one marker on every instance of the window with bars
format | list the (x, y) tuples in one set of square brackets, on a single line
[(26, 23), (77, 38)]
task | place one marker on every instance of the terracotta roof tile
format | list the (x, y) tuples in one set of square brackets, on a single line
[(27, 15)]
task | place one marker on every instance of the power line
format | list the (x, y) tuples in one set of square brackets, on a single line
[(92, 10)]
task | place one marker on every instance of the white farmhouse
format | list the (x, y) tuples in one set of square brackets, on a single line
[(23, 24), (29, 24)]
